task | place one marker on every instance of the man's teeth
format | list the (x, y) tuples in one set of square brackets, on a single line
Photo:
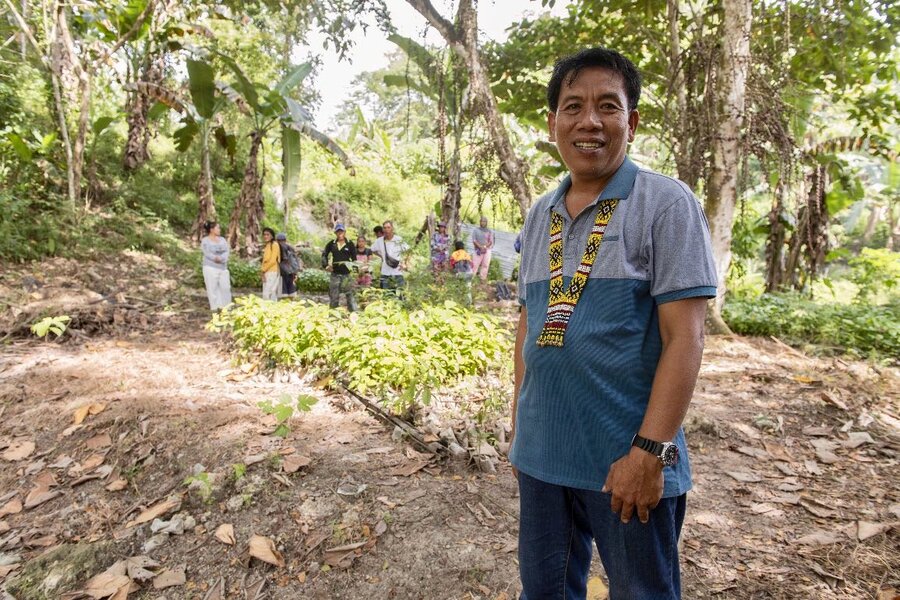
[(587, 145)]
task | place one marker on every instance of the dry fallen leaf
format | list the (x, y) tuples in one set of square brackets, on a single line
[(117, 485), (155, 511), (90, 463), (105, 584), (82, 412), (12, 507), (264, 549), (18, 450), (818, 538), (225, 534), (39, 495), (99, 441), (7, 569), (744, 477), (866, 529), (138, 567), (293, 462), (596, 589), (4, 527), (169, 578)]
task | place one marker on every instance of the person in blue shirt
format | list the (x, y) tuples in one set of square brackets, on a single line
[(615, 273)]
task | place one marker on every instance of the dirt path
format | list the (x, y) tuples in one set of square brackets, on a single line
[(796, 494)]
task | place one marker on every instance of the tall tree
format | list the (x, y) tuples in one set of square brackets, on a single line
[(722, 185), (463, 38)]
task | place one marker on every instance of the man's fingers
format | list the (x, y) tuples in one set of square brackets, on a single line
[(627, 511), (616, 503), (643, 513)]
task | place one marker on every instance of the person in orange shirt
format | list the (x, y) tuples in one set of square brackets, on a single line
[(271, 275)]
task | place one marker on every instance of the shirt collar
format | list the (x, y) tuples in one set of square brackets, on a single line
[(618, 187)]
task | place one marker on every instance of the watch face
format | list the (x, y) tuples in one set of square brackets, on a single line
[(669, 455)]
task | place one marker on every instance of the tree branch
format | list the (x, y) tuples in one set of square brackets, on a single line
[(23, 25), (443, 26), (138, 23)]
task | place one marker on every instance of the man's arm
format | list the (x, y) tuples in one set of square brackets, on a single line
[(636, 480), (519, 371), (325, 254)]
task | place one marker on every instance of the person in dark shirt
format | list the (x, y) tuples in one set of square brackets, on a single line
[(341, 252)]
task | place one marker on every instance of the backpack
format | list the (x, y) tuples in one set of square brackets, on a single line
[(462, 266), (290, 263)]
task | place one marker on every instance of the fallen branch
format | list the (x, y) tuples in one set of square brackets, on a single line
[(436, 448)]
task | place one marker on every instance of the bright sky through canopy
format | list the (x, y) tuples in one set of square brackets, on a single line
[(371, 48)]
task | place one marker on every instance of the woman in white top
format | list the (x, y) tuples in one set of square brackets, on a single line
[(215, 266)]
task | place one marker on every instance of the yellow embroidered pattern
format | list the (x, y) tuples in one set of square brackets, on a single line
[(561, 303)]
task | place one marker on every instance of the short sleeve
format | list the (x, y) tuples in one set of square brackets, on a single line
[(681, 259)]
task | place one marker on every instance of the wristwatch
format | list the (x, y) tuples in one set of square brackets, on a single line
[(666, 452)]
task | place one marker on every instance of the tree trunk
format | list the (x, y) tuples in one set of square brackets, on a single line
[(722, 189), (138, 106), (250, 200), (463, 38), (56, 68), (207, 205), (84, 91), (775, 242), (451, 202)]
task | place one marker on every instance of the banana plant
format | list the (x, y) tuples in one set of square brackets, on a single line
[(444, 82), (269, 107), (199, 119)]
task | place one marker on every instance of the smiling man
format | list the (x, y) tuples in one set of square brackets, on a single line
[(615, 273)]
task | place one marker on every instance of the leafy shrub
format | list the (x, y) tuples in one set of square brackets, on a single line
[(310, 258), (313, 281), (495, 273), (864, 329), (874, 270), (244, 273), (385, 349)]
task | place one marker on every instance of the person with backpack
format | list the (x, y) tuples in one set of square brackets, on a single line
[(461, 265), (341, 253), (289, 265), (461, 261)]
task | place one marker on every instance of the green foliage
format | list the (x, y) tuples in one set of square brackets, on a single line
[(494, 271), (387, 350), (858, 328), (202, 483), (55, 325), (313, 281), (874, 270), (284, 408), (244, 273)]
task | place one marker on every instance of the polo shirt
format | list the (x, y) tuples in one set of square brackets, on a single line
[(580, 405)]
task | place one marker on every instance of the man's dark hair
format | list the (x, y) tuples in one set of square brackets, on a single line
[(378, 229), (271, 232), (458, 245), (567, 69)]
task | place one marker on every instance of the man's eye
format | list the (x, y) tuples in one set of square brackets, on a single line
[(571, 107)]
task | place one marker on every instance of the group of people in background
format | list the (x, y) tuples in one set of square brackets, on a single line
[(459, 261), (347, 263)]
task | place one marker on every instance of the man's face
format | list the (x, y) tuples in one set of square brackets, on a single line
[(388, 230), (341, 234), (592, 125), (484, 221)]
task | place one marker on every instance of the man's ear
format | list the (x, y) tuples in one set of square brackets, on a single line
[(551, 125), (633, 119)]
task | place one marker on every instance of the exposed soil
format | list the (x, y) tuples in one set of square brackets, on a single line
[(795, 458)]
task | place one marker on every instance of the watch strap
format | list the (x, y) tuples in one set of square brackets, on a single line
[(654, 448)]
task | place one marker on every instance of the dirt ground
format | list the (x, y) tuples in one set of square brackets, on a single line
[(795, 459)]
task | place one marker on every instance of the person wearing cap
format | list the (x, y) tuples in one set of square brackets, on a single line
[(440, 249), (271, 277), (341, 253)]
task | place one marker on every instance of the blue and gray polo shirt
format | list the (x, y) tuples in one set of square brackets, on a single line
[(580, 405)]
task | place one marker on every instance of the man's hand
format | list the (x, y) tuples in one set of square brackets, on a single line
[(636, 484), (329, 268)]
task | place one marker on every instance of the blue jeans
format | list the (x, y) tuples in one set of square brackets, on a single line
[(393, 282), (556, 526)]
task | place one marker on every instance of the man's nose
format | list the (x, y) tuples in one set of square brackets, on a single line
[(591, 119)]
